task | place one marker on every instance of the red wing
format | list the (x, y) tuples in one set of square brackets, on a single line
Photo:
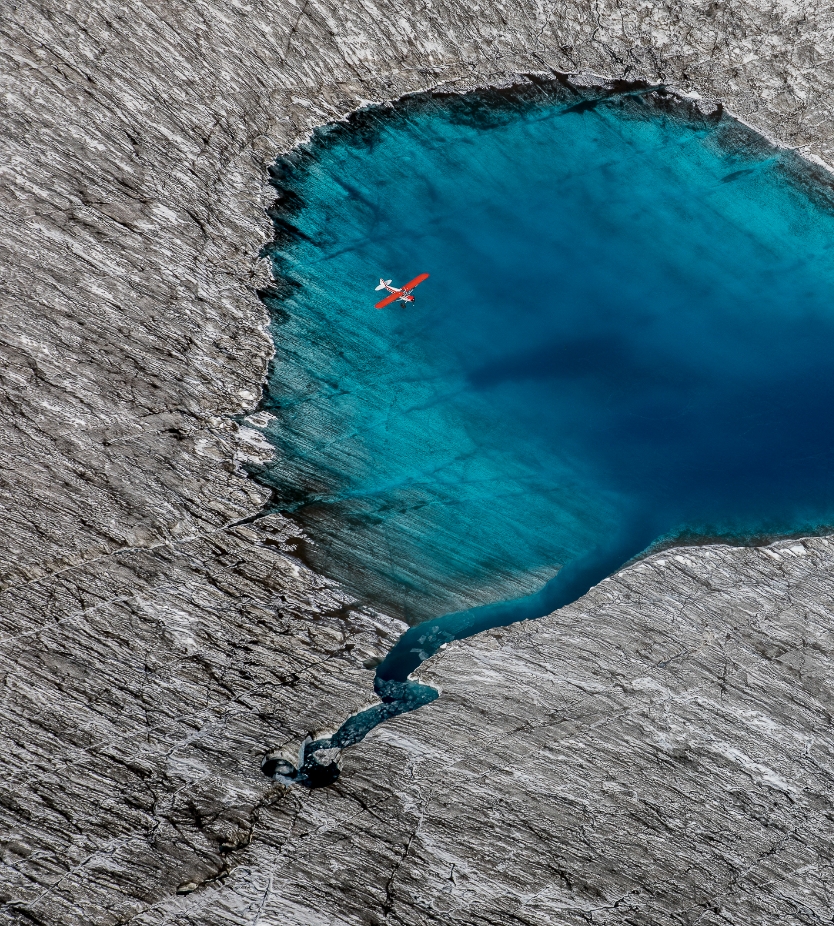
[(388, 300), (416, 281)]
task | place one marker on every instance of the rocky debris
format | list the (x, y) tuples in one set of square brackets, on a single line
[(153, 653)]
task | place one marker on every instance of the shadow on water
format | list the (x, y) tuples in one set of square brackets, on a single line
[(626, 336)]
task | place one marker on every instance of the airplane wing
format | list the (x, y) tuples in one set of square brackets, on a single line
[(388, 300), (416, 281)]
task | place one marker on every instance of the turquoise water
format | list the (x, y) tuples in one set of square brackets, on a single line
[(626, 337)]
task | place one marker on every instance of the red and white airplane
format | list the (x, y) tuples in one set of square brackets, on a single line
[(403, 293)]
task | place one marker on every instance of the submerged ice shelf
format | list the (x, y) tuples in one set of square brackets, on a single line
[(625, 337)]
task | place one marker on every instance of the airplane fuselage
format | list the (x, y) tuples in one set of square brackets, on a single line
[(405, 294)]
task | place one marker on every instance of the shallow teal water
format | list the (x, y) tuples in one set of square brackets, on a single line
[(626, 336)]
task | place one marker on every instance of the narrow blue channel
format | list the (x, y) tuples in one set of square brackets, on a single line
[(626, 338)]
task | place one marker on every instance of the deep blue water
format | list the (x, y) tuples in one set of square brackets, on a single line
[(626, 337)]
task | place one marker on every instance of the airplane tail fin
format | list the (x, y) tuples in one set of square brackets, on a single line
[(383, 283)]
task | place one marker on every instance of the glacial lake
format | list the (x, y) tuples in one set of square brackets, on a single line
[(626, 339)]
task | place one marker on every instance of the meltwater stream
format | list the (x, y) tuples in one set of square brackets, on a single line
[(627, 337)]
